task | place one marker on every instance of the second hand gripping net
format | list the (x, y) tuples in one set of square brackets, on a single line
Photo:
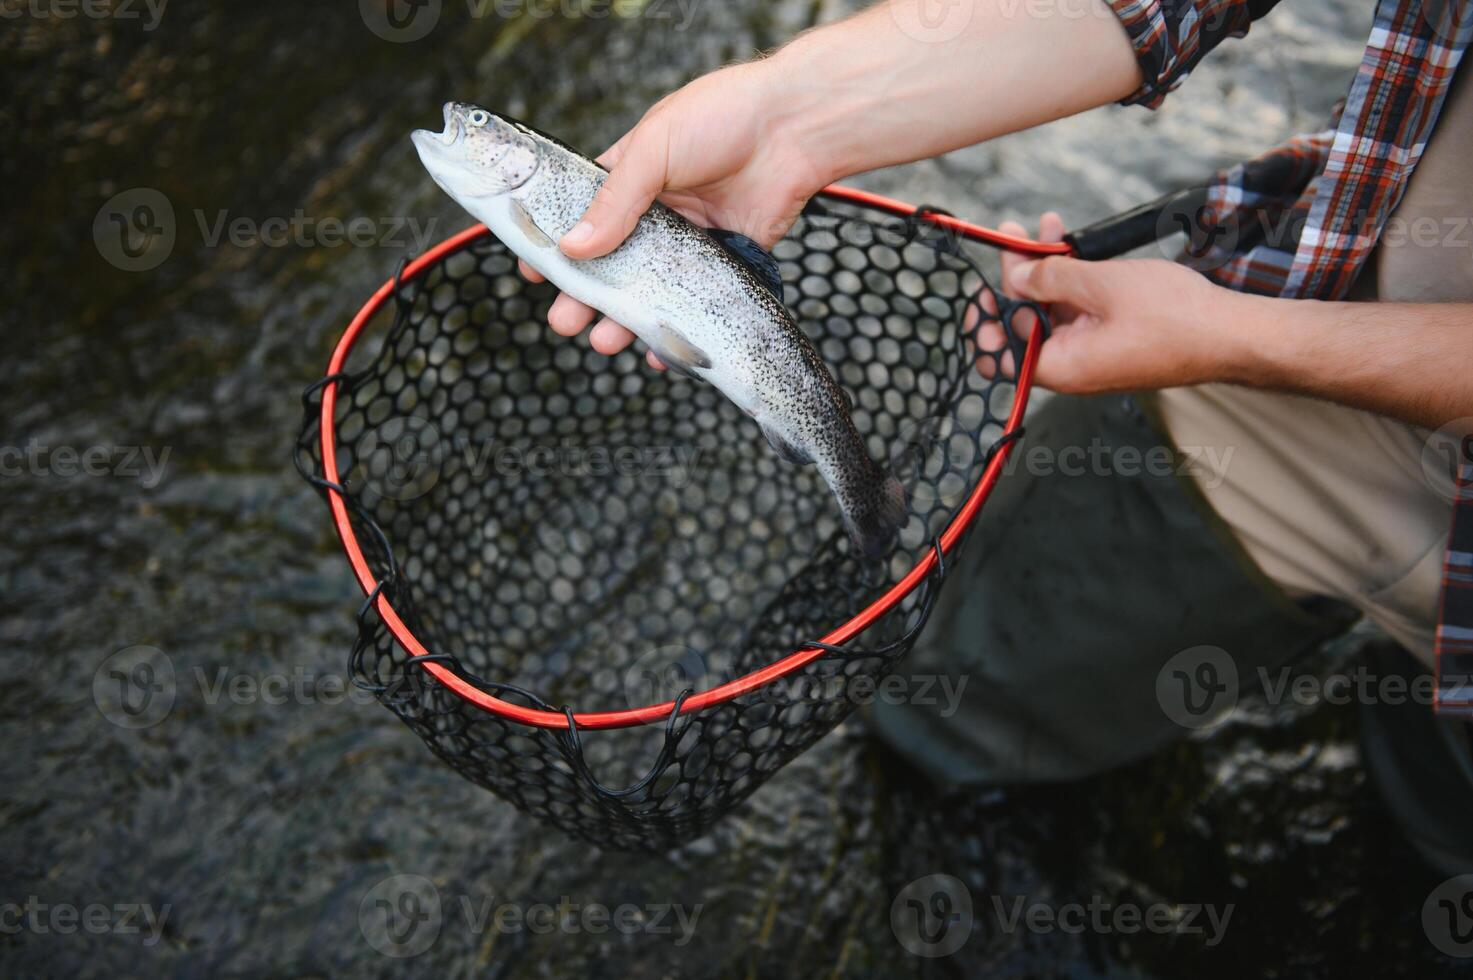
[(592, 588)]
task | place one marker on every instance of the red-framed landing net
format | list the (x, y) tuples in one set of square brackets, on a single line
[(495, 600), (724, 692)]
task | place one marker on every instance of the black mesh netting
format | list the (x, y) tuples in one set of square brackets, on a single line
[(571, 531)]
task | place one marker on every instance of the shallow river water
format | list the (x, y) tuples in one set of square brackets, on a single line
[(257, 824)]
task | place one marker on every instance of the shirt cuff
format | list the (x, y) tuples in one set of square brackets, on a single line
[(1169, 37)]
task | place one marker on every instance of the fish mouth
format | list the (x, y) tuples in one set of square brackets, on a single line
[(453, 128), (451, 133)]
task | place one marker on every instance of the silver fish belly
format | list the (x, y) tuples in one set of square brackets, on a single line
[(703, 311)]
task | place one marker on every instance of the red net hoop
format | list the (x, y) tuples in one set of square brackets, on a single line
[(493, 598)]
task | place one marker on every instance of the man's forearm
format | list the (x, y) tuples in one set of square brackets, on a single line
[(1412, 361), (909, 79)]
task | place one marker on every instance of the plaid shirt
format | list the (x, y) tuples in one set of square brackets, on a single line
[(1301, 220)]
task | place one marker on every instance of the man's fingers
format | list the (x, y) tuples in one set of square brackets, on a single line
[(992, 341), (608, 337), (609, 159), (654, 361), (980, 312), (529, 273), (626, 194), (1083, 360), (1051, 227), (568, 317), (1011, 260), (1057, 279), (992, 352)]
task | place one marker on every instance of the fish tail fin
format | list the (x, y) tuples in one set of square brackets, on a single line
[(874, 522)]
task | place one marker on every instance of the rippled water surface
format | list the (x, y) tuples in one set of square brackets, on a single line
[(264, 823)]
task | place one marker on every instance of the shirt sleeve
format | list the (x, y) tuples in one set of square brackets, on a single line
[(1171, 36)]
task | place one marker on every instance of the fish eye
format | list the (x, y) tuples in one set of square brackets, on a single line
[(479, 117)]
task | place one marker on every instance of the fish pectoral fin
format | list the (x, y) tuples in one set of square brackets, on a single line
[(758, 260), (528, 226), (784, 449), (676, 352)]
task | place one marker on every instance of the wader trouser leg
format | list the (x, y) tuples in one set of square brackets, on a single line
[(1093, 564)]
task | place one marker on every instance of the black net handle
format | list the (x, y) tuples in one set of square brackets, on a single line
[(1114, 236)]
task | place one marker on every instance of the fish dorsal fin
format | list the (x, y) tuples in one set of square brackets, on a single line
[(758, 260)]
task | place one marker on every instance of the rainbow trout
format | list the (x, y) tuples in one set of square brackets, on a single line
[(707, 302)]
